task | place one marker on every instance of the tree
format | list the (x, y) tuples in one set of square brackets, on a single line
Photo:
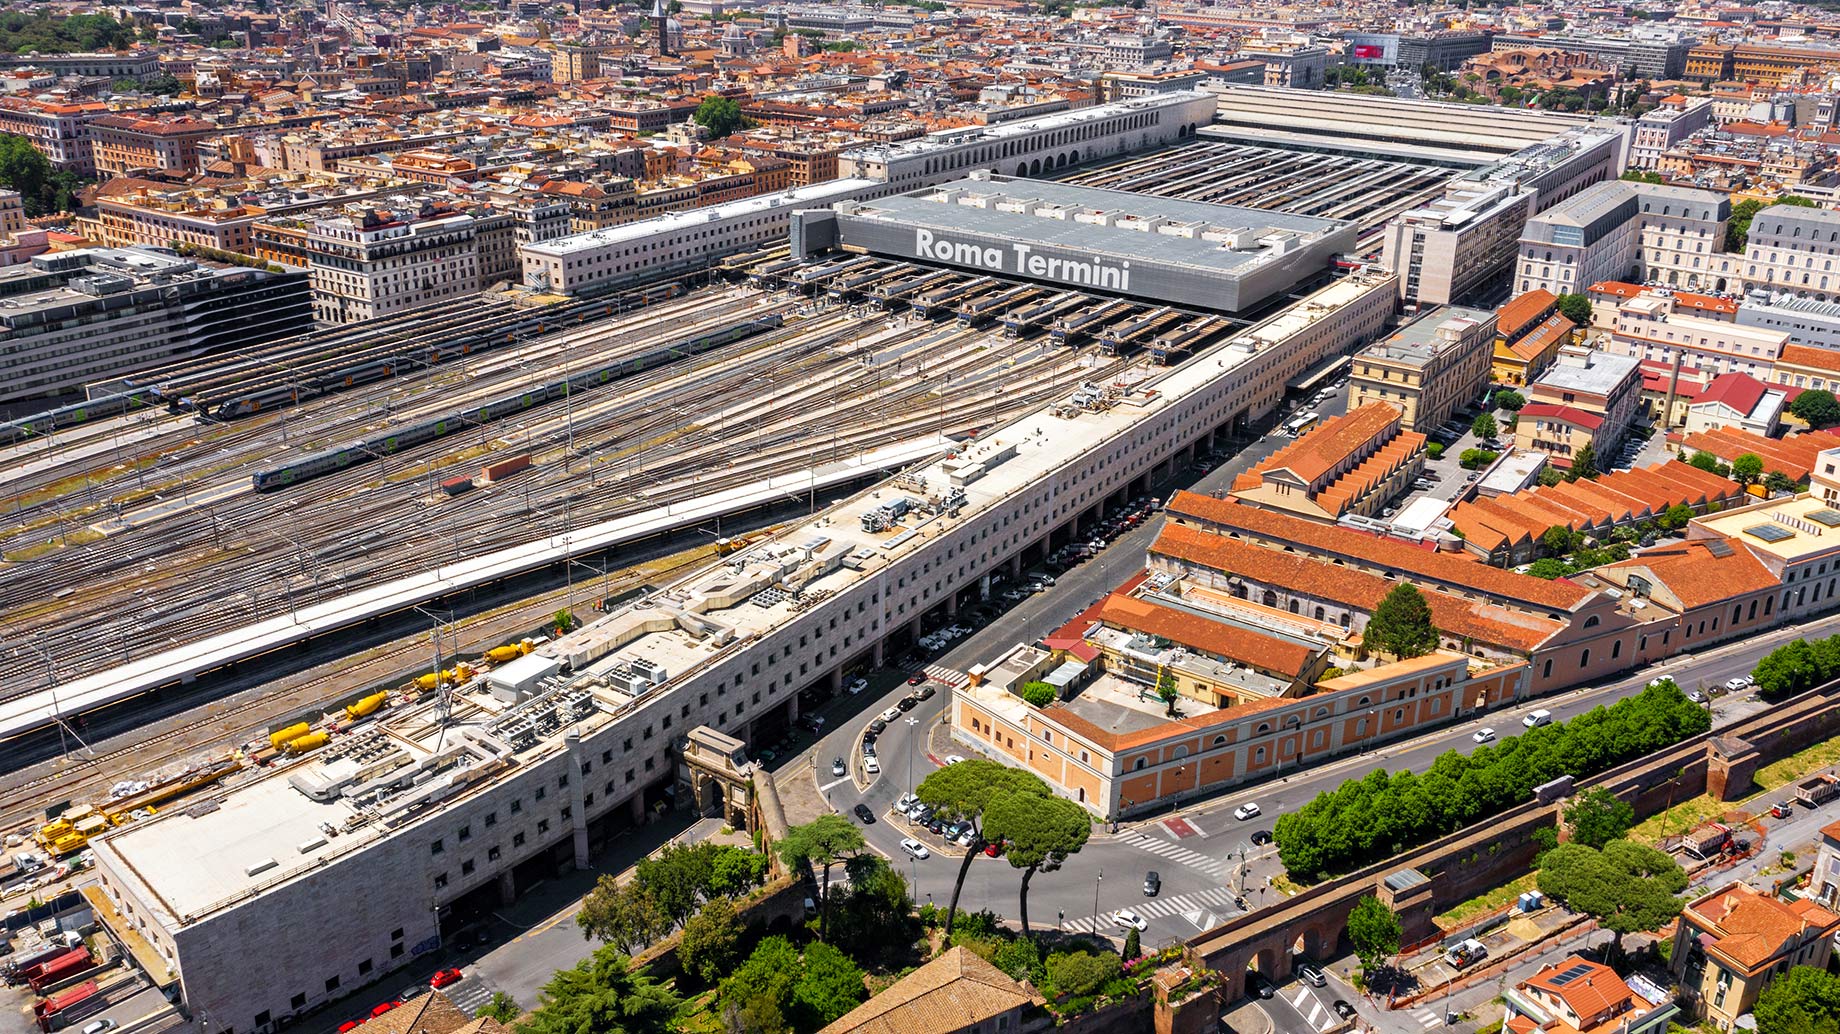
[(1166, 691), (1550, 568), (1709, 463), (960, 793), (1133, 945), (1598, 816), (1804, 1000), (1778, 483), (1512, 401), (1790, 668), (737, 870), (1080, 973), (1577, 308), (711, 941), (1038, 693), (1041, 832), (1747, 468), (502, 1007), (603, 995), (1551, 475), (677, 879), (1435, 450), (42, 189), (1738, 227), (720, 115), (1816, 406), (1484, 426), (824, 841), (1374, 931), (1558, 540), (627, 917), (1584, 463), (829, 985), (1401, 624), (873, 919), (1628, 887), (757, 997), (1676, 516), (563, 620)]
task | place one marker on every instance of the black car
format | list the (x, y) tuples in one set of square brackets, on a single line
[(1261, 838), (926, 692), (868, 748), (1343, 1009), (937, 827), (863, 813), (1262, 986), (877, 726), (906, 703), (1153, 883)]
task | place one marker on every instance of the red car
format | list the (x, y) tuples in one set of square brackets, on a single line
[(350, 1025), (993, 849), (446, 977), (916, 678), (383, 1007)]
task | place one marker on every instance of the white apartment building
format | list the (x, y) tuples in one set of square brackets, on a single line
[(1793, 250), (1618, 231), (1650, 326), (1446, 248), (374, 266), (1659, 130)]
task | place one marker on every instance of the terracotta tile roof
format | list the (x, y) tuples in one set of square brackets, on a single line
[(1542, 337), (432, 1013), (1569, 414), (1699, 577), (1522, 310), (1705, 303), (1215, 638), (1794, 456), (1740, 391), (1326, 446), (1585, 504), (954, 992), (1595, 991), (1615, 287), (1814, 358), (1330, 540), (1453, 615), (1751, 928)]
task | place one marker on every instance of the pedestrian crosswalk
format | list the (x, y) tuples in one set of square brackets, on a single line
[(469, 994), (1204, 909), (941, 673), (1314, 1012), (1426, 1018), (1176, 853)]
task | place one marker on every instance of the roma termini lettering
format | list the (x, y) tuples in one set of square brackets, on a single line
[(1091, 272)]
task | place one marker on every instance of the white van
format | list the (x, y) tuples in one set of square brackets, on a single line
[(1537, 719)]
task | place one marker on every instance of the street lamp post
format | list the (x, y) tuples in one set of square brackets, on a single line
[(1096, 884)]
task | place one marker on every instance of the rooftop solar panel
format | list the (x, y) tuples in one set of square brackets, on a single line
[(1828, 516), (1770, 532)]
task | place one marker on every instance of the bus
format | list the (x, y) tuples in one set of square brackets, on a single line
[(1300, 423)]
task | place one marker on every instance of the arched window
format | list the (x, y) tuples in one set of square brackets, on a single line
[(1319, 613), (1220, 741), (1139, 765), (1264, 727)]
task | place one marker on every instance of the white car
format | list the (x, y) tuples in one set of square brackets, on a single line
[(1741, 682), (1483, 735), (953, 759), (1246, 811), (892, 715), (914, 849), (858, 686), (1126, 917), (870, 765), (1659, 680), (906, 801)]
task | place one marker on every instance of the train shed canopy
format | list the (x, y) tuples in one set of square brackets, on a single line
[(1191, 253)]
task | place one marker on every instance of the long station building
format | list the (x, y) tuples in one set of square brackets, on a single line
[(431, 809)]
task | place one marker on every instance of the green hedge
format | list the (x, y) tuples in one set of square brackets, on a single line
[(1366, 820)]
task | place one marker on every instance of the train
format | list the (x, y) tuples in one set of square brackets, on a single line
[(337, 459), (73, 415)]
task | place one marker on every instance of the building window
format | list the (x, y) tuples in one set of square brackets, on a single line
[(437, 847), (299, 1001), (332, 984), (440, 880)]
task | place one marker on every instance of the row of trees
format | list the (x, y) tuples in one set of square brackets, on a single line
[(43, 33), (666, 891), (1796, 666), (1382, 814), (42, 189)]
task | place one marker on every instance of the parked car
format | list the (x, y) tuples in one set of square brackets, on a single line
[(1261, 838), (916, 678), (1153, 883), (1127, 918), (382, 1007), (1696, 696), (868, 746), (99, 1026), (1312, 976), (906, 703), (904, 802), (914, 849), (1263, 987), (1741, 682), (446, 977), (1246, 811), (1342, 1009), (863, 814), (1466, 952), (994, 849), (1483, 735), (953, 759), (870, 765), (925, 692), (1782, 809), (1659, 680), (857, 686), (350, 1025), (892, 713), (1537, 719), (878, 726), (412, 992)]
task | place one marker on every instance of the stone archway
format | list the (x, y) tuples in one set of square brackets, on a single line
[(719, 775), (1261, 964)]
